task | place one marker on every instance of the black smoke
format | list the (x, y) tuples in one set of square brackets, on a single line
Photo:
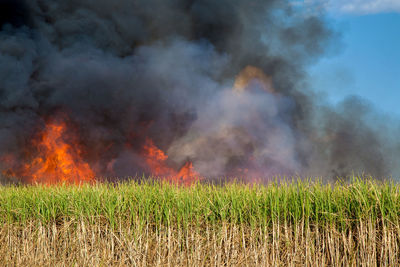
[(127, 70), (14, 12)]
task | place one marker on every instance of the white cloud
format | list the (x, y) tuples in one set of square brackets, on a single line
[(365, 6), (352, 6)]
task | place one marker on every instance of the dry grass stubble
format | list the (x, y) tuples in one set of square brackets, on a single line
[(78, 243)]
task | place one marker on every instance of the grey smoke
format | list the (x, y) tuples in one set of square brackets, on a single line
[(125, 70)]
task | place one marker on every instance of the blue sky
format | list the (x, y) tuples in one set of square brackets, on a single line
[(367, 63)]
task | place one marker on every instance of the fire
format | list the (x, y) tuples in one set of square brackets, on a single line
[(156, 159), (249, 74), (56, 160), (56, 155)]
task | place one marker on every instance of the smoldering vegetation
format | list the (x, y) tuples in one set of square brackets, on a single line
[(119, 72)]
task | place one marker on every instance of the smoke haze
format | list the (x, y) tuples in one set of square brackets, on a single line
[(120, 72)]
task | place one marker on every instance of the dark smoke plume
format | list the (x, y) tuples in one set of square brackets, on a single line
[(127, 70)]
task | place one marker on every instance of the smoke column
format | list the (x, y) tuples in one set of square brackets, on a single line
[(220, 84)]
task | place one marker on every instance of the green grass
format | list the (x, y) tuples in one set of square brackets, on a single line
[(163, 204)]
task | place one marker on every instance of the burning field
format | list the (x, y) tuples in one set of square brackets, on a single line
[(96, 95)]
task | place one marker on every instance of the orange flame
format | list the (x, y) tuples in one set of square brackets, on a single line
[(156, 159), (249, 74), (56, 160)]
